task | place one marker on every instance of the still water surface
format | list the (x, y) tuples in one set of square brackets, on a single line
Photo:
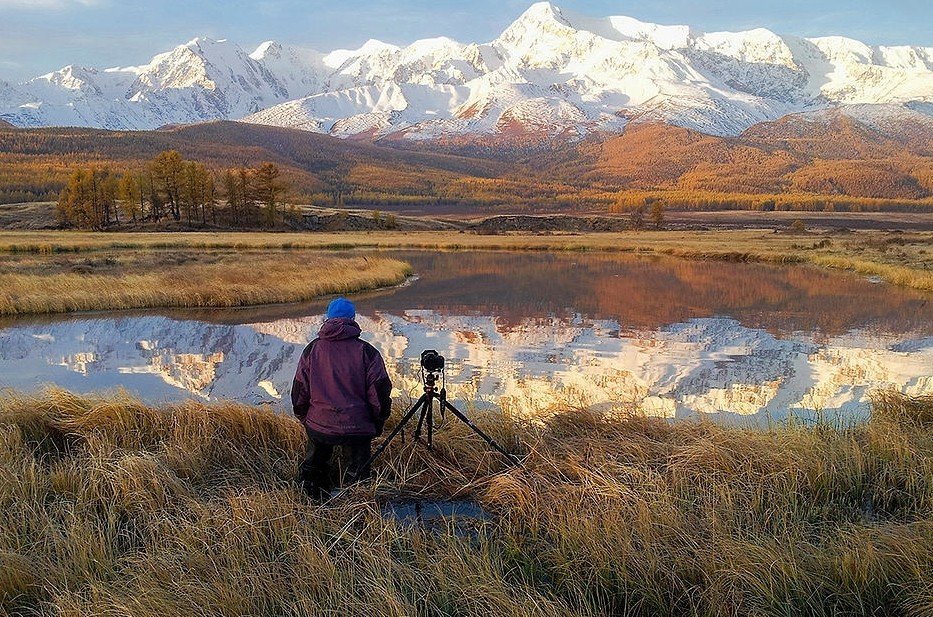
[(533, 333)]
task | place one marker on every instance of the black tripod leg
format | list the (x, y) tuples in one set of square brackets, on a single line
[(398, 429), (492, 442), (424, 412), (431, 424)]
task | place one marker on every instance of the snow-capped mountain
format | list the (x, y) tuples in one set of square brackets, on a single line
[(200, 80), (551, 74)]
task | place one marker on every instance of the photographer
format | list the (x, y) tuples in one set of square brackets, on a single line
[(342, 395)]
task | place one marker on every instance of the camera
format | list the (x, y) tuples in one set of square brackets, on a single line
[(431, 361)]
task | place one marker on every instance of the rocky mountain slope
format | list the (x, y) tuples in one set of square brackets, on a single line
[(551, 75)]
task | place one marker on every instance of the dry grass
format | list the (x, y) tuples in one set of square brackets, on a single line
[(127, 279), (114, 508), (904, 259)]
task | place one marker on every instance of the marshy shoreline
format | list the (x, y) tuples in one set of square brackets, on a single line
[(116, 507), (902, 258)]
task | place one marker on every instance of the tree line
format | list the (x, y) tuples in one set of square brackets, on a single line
[(170, 188)]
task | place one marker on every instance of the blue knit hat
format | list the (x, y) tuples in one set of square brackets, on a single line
[(341, 307)]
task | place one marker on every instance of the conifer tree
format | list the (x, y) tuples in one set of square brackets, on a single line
[(131, 195), (168, 174), (657, 214), (267, 190)]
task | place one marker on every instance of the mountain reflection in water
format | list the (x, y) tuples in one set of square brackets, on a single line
[(530, 333)]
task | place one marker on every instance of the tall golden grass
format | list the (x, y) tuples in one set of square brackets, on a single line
[(111, 507), (232, 280)]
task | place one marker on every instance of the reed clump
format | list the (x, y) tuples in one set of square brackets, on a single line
[(206, 280), (112, 507)]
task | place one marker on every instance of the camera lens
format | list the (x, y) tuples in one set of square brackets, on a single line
[(432, 361)]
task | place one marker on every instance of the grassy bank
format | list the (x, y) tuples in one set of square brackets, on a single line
[(114, 508), (123, 279), (904, 259)]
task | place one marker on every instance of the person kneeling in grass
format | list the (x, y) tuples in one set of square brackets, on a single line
[(342, 396)]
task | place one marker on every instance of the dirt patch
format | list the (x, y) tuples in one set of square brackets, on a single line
[(333, 219), (38, 215), (553, 223)]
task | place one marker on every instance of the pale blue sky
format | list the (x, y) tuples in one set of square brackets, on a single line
[(37, 36)]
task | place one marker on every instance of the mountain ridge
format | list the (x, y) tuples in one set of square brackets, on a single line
[(551, 75)]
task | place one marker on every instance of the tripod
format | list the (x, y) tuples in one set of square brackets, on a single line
[(424, 406)]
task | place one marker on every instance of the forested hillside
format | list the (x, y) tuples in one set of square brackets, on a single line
[(837, 163)]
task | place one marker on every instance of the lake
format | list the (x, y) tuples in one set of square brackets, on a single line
[(532, 333)]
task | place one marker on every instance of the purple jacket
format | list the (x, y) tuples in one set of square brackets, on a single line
[(341, 387)]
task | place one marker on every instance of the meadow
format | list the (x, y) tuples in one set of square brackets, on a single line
[(114, 508)]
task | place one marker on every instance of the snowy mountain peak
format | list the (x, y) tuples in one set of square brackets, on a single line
[(548, 19), (267, 49), (551, 74), (197, 41), (203, 63), (665, 37), (375, 46), (423, 47), (71, 77), (541, 20), (540, 11)]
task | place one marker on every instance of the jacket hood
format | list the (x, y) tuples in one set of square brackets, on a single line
[(338, 329)]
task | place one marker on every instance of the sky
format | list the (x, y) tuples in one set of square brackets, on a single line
[(38, 36)]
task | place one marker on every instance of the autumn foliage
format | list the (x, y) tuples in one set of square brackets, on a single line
[(791, 164), (172, 188)]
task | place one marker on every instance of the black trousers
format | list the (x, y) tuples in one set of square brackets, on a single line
[(318, 477)]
